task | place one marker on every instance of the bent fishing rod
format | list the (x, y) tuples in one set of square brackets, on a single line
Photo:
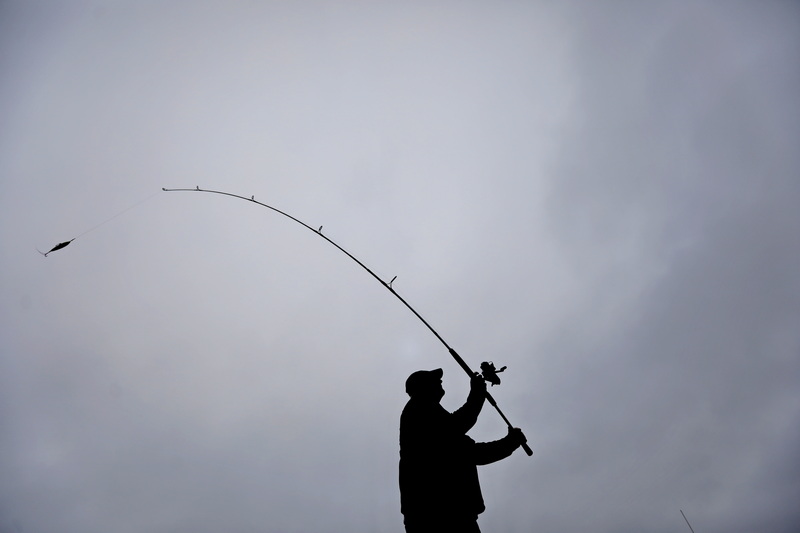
[(489, 372)]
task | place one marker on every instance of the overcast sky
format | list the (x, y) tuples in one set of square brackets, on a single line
[(602, 196)]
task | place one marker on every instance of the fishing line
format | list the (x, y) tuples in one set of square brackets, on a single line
[(64, 244), (489, 376), (137, 204)]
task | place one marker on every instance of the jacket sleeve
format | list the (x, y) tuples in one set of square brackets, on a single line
[(490, 452), (465, 416)]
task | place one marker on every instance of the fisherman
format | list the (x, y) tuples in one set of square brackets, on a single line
[(439, 487)]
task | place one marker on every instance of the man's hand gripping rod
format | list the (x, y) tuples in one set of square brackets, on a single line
[(458, 359), (388, 286)]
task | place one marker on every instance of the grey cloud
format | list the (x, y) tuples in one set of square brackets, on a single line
[(600, 196)]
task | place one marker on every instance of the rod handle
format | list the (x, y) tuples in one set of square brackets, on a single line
[(527, 449), (524, 443)]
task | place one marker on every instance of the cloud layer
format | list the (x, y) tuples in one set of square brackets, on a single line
[(601, 197)]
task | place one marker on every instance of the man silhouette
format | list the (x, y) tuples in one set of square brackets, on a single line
[(439, 487)]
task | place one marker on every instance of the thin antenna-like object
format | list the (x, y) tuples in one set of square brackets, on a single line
[(687, 522)]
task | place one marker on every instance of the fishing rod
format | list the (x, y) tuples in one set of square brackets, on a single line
[(489, 371)]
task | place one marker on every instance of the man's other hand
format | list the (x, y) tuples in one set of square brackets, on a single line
[(477, 384)]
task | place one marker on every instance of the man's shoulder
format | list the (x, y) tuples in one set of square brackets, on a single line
[(421, 406), (423, 410)]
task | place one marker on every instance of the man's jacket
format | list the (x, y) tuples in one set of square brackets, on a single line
[(438, 461)]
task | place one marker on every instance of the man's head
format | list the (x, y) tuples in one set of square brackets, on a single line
[(425, 384)]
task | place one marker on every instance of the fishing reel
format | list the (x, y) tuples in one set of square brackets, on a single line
[(489, 372)]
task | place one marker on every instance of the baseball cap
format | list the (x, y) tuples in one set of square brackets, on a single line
[(422, 378)]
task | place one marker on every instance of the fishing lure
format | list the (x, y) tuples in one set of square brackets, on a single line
[(64, 244), (56, 247)]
